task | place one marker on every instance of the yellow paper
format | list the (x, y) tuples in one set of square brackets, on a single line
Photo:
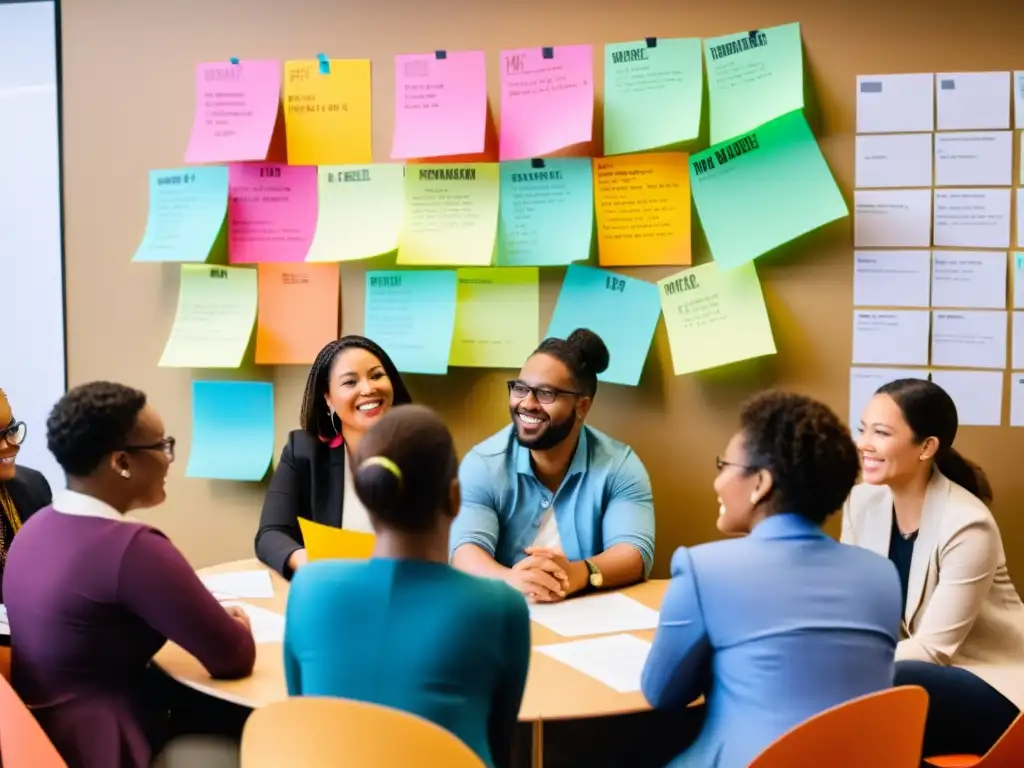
[(715, 317), (324, 542), (327, 115), (496, 317)]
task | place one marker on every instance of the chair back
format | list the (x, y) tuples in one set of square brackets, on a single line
[(319, 732), (880, 730), (1008, 752), (23, 743)]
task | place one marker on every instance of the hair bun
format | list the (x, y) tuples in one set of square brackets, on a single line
[(377, 487), (591, 348)]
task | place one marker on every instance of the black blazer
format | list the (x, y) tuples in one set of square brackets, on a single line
[(30, 492), (309, 482)]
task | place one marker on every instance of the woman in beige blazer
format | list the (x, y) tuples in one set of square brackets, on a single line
[(925, 507)]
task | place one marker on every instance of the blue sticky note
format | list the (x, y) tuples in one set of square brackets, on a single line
[(187, 209), (622, 310), (232, 430), (547, 212), (411, 313)]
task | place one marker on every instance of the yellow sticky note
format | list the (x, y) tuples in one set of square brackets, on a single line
[(327, 111), (715, 317), (324, 542), (642, 206), (497, 317)]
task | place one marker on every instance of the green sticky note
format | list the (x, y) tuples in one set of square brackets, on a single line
[(762, 189), (715, 317), (652, 93), (753, 77), (497, 317), (187, 209), (359, 211)]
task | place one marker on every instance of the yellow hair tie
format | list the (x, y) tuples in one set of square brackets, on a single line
[(386, 463)]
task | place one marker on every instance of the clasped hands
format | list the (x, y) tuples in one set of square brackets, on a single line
[(545, 575)]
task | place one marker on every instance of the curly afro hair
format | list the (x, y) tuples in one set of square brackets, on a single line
[(90, 422)]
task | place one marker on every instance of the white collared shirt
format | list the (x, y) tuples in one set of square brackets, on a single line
[(354, 516), (80, 505)]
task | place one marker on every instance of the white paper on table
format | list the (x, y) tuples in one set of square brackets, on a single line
[(969, 279), (897, 337), (1017, 341), (966, 101), (595, 615), (267, 626), (972, 218), (1018, 98), (894, 160), (978, 396), (1020, 217), (895, 103), (864, 382), (891, 278), (251, 584), (1017, 265), (1017, 399), (892, 218), (5, 627), (974, 158), (615, 660), (969, 339), (1022, 158)]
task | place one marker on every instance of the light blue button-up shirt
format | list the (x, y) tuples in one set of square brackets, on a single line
[(604, 499)]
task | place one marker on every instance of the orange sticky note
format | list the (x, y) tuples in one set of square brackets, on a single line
[(297, 311), (642, 206), (324, 542), (327, 111)]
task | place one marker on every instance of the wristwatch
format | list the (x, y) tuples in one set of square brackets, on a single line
[(596, 579)]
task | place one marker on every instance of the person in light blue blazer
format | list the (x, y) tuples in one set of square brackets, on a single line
[(785, 622)]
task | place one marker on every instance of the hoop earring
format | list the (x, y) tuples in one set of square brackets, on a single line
[(330, 416)]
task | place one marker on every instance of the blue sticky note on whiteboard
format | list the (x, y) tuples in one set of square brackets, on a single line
[(622, 310), (232, 430), (187, 210)]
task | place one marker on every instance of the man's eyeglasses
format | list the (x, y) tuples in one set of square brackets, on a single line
[(544, 395), (166, 445), (15, 433)]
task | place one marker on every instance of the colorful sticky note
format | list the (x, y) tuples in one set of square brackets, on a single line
[(753, 77), (324, 542), (359, 211), (236, 110), (765, 188), (547, 100), (440, 104), (327, 111), (652, 93), (497, 317), (411, 313), (187, 210), (715, 317), (547, 212), (450, 214), (297, 312), (213, 323), (643, 209), (272, 212), (232, 430), (622, 310)]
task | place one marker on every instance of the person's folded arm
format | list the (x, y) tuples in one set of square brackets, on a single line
[(475, 530), (627, 527), (279, 534), (509, 696)]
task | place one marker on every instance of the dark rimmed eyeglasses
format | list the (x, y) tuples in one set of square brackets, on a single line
[(721, 464), (14, 433), (166, 445), (545, 395)]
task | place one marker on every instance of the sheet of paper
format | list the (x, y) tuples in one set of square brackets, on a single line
[(411, 313), (970, 101), (1020, 217), (892, 218), (497, 317), (763, 189), (615, 660), (1017, 341), (236, 110), (546, 212), (642, 205), (894, 160), (969, 279), (5, 627), (1017, 260), (1018, 99), (594, 615), (327, 114), (978, 396), (622, 310), (232, 430), (214, 320), (1022, 157), (895, 103), (864, 382), (359, 211), (891, 338), (969, 339), (272, 212), (267, 626), (240, 584), (715, 316), (440, 104), (1016, 401), (297, 312), (754, 76), (547, 100), (974, 158), (450, 215), (891, 278), (324, 542), (972, 218), (187, 211), (652, 93)]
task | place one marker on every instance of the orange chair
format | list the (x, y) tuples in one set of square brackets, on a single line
[(881, 730), (23, 744), (1008, 752)]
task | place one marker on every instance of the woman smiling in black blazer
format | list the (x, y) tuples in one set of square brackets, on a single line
[(352, 383)]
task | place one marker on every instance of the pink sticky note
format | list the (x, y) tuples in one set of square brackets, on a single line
[(440, 104), (236, 108), (547, 104), (272, 212)]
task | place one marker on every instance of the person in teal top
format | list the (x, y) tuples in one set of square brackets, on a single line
[(404, 629)]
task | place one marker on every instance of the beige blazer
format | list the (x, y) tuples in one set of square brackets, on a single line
[(962, 608)]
